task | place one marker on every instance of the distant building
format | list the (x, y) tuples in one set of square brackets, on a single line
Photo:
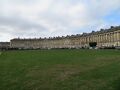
[(103, 38), (4, 45)]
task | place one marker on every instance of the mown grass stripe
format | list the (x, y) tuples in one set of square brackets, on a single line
[(60, 70)]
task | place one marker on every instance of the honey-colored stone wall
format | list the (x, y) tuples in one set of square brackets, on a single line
[(105, 39)]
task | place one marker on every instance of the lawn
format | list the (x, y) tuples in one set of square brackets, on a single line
[(60, 70)]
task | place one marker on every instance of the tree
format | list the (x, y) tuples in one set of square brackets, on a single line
[(112, 27), (93, 44)]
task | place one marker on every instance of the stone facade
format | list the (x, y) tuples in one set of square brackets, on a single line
[(4, 45), (103, 38)]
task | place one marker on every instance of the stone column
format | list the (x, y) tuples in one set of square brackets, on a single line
[(116, 37), (98, 38)]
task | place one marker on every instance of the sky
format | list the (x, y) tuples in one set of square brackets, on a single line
[(51, 18)]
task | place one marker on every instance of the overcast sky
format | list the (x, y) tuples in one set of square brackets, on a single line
[(49, 18)]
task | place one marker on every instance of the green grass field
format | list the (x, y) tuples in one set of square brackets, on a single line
[(60, 70)]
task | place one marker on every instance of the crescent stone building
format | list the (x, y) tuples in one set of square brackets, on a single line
[(103, 38)]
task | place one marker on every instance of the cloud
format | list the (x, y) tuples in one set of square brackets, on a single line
[(20, 23), (44, 18)]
